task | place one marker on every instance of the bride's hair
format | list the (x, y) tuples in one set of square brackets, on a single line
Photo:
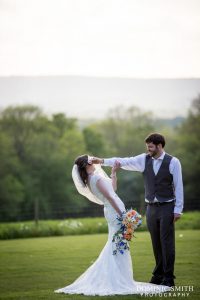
[(82, 161)]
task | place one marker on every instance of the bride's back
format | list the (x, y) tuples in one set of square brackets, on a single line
[(107, 184)]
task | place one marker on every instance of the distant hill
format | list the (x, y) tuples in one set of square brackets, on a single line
[(91, 97)]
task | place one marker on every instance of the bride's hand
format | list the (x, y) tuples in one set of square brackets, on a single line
[(116, 166)]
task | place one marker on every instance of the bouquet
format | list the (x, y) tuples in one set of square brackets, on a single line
[(128, 222)]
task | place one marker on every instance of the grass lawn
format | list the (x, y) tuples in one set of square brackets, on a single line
[(33, 268)]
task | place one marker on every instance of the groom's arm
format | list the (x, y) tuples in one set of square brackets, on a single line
[(178, 188), (135, 163)]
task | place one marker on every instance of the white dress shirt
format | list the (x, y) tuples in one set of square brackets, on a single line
[(137, 163)]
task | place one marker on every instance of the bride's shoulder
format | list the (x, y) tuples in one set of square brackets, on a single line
[(97, 178)]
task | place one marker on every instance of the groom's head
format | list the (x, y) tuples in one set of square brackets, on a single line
[(155, 143)]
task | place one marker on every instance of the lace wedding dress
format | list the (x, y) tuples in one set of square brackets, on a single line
[(110, 274)]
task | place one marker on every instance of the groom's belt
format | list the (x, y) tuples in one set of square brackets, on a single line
[(159, 203)]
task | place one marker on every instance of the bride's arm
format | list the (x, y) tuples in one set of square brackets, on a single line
[(114, 174), (103, 188), (114, 180)]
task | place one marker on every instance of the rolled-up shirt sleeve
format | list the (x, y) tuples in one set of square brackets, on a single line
[(178, 186), (135, 163)]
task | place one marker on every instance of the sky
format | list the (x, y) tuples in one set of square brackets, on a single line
[(101, 38)]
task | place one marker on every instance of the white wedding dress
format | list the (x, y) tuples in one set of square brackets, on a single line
[(110, 274)]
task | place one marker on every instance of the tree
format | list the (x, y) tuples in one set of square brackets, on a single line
[(94, 141), (18, 123), (11, 186), (125, 129), (62, 123), (188, 138), (37, 155)]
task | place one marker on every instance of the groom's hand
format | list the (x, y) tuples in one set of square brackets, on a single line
[(176, 217), (97, 160)]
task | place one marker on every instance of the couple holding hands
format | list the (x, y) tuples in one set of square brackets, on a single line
[(113, 274)]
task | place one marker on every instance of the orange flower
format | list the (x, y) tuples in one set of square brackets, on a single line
[(129, 230), (129, 225), (128, 237)]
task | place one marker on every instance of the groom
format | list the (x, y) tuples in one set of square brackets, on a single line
[(164, 197)]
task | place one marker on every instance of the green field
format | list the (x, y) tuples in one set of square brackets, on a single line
[(33, 268)]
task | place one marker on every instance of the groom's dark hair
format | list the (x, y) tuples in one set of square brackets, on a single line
[(156, 139)]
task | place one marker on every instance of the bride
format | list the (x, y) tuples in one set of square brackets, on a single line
[(110, 274)]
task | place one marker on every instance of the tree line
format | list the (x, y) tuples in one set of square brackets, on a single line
[(37, 153)]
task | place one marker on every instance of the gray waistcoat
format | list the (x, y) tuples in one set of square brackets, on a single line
[(160, 185)]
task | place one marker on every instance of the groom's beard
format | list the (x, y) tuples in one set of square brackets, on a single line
[(152, 153)]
